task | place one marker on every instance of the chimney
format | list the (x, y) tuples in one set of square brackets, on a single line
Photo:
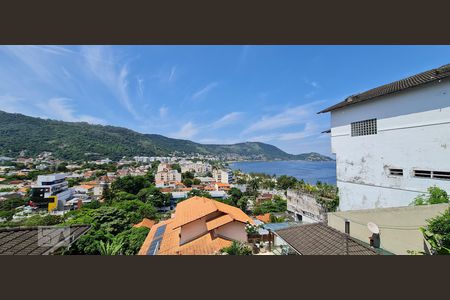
[(347, 227)]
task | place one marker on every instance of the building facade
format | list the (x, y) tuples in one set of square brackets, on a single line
[(393, 142), (223, 176)]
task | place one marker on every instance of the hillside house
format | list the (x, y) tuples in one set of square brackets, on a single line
[(200, 226)]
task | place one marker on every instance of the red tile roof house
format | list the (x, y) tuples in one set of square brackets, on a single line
[(201, 226)]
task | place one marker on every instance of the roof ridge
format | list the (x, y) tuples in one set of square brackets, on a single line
[(396, 86)]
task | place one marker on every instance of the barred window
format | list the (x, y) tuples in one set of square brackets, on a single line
[(396, 172), (365, 127), (432, 174)]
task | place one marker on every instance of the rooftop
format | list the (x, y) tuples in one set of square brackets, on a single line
[(320, 239), (394, 87), (25, 240), (164, 237)]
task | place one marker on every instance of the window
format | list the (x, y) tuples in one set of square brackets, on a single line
[(432, 174), (422, 173), (366, 127), (396, 172), (441, 175)]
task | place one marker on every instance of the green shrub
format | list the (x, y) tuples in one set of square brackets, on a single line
[(435, 195)]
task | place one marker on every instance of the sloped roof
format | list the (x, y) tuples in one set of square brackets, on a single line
[(217, 222), (188, 211), (394, 87), (170, 244), (145, 223), (264, 218), (320, 239), (197, 207), (24, 240)]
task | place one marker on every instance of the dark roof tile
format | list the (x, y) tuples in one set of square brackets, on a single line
[(24, 240), (320, 239), (394, 87)]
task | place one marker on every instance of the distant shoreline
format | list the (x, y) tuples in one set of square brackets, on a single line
[(273, 160)]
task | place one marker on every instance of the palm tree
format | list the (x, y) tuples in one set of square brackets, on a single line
[(110, 248), (254, 185)]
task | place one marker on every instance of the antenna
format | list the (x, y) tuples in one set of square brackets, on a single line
[(373, 228)]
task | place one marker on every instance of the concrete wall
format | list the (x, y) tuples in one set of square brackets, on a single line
[(399, 227), (305, 205), (192, 230), (234, 230), (413, 133)]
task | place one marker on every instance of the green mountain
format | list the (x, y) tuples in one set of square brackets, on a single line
[(80, 140)]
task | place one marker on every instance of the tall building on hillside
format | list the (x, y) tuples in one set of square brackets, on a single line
[(393, 142), (162, 167), (51, 192), (223, 176), (168, 175)]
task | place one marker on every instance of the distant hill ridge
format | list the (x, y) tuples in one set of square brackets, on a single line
[(73, 140)]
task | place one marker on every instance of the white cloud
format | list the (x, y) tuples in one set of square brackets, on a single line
[(187, 131), (309, 130), (291, 116), (227, 120), (13, 104), (61, 109), (204, 91), (36, 61), (103, 64), (172, 74), (140, 90), (243, 56), (163, 110), (54, 108), (312, 83)]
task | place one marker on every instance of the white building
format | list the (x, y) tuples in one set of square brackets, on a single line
[(163, 167), (48, 186), (165, 176), (393, 142), (223, 176), (198, 168)]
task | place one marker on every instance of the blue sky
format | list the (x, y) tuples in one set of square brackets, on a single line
[(208, 94)]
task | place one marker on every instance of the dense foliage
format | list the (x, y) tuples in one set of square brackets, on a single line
[(237, 248), (80, 140), (277, 204), (437, 233), (435, 195), (111, 225)]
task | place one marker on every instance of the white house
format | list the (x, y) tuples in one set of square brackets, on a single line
[(393, 142)]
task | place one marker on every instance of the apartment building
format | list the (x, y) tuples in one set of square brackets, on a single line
[(223, 176)]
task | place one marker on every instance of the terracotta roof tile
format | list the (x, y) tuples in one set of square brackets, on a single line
[(264, 218), (145, 223), (190, 210)]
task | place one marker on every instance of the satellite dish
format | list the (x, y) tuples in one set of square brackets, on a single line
[(373, 228)]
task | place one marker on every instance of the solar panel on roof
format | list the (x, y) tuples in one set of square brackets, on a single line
[(160, 231), (154, 246)]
